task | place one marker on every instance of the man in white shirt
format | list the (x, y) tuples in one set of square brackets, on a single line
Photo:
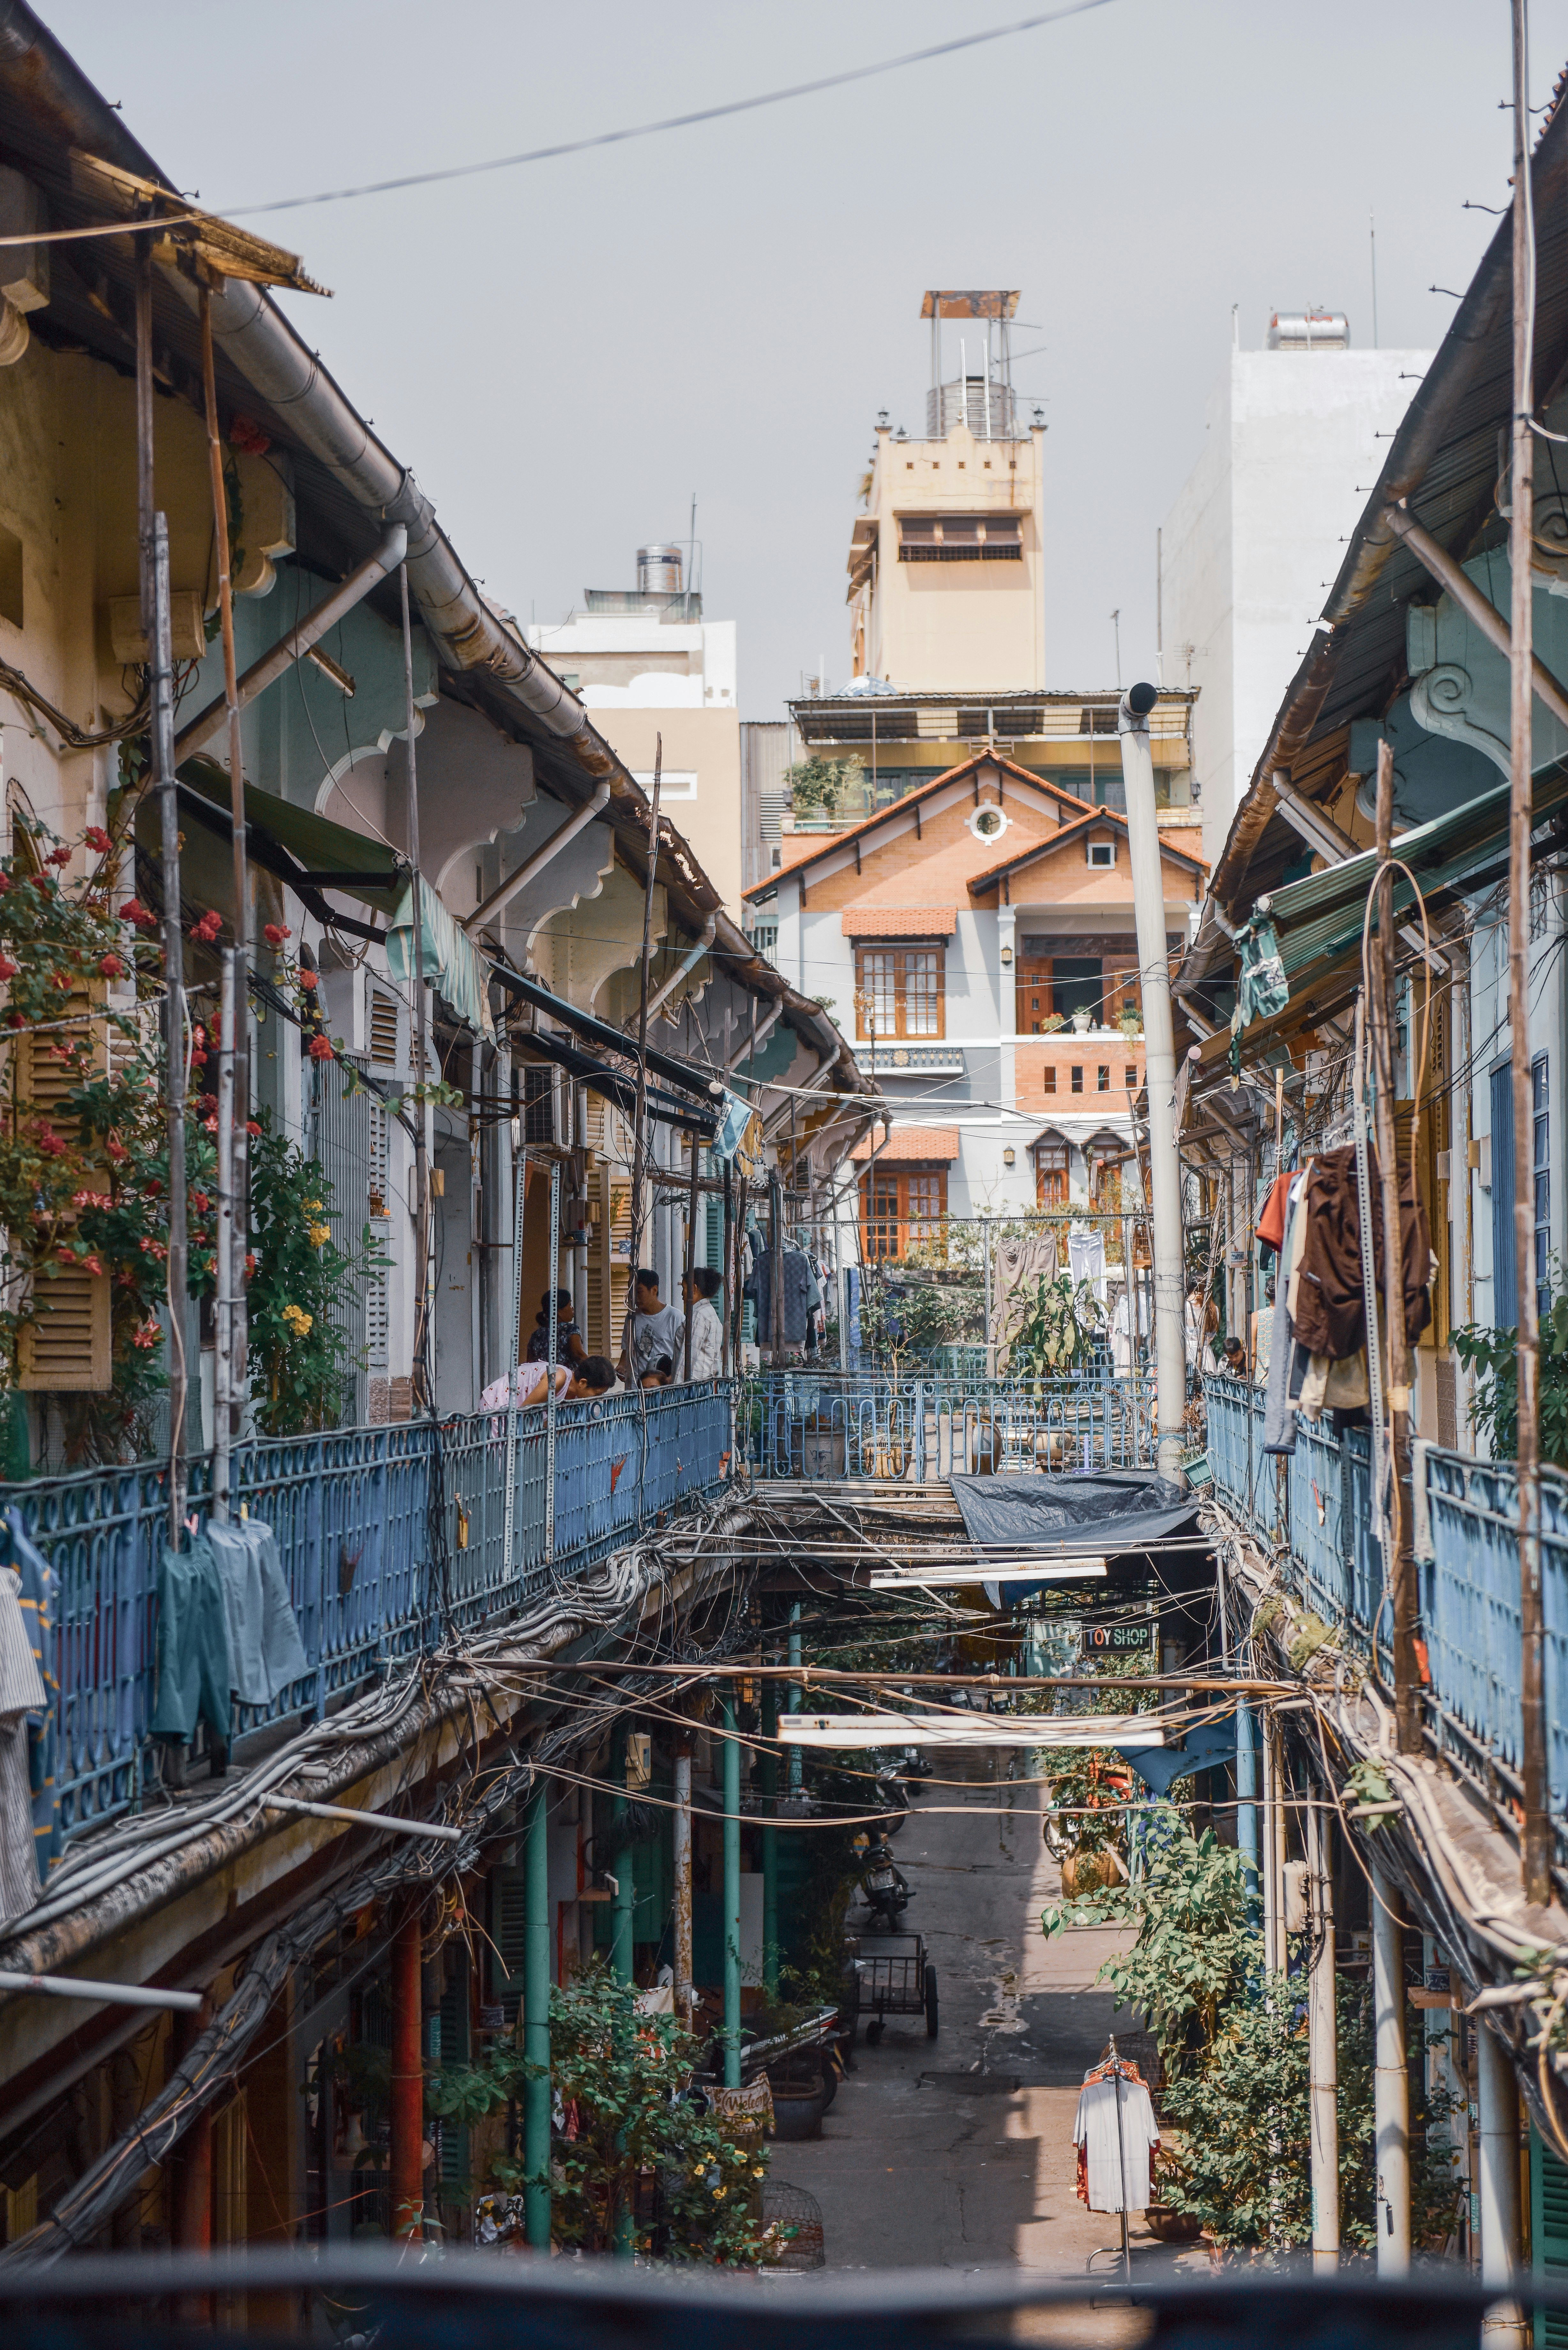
[(700, 1289), (657, 1336)]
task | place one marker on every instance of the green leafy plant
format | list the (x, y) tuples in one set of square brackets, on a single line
[(299, 1355), (628, 2131), (820, 786), (1057, 1330), (1489, 1354)]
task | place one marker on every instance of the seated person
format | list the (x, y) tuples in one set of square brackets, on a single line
[(700, 1289), (569, 1346), (1235, 1358), (658, 1335)]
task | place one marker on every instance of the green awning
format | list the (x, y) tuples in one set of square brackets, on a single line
[(1312, 924), (329, 855)]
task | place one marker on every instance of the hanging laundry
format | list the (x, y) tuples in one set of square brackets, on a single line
[(1086, 1258), (267, 1654), (1331, 1318), (1271, 1225), (194, 1674), (1116, 2134), (1279, 1413), (22, 1693), (852, 1278), (40, 1613)]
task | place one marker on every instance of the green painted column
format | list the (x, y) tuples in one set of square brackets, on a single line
[(732, 1902), (770, 1842), (622, 1871), (537, 2025), (794, 1698)]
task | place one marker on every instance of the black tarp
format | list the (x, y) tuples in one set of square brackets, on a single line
[(1114, 1510)]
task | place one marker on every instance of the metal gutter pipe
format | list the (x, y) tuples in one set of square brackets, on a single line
[(298, 641), (1159, 1077), (517, 881), (709, 929), (817, 1078), (1477, 609)]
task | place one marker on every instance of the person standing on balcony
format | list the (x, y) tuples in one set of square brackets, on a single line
[(569, 1346), (657, 1336), (700, 1289)]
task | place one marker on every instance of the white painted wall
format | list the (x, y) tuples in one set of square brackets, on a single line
[(1253, 542)]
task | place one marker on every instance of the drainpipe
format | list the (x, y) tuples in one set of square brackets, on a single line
[(685, 1992), (298, 641), (1159, 1071), (732, 1901), (551, 847), (770, 1842), (1390, 2081), (656, 1003), (1247, 1796), (764, 1028), (536, 2026)]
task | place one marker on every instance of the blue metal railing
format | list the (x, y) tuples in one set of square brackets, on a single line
[(871, 1424), (390, 1536), (1469, 1584)]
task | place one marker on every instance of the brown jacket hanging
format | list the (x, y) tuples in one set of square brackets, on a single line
[(1331, 1318)]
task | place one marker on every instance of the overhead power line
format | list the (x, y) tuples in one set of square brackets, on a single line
[(672, 121)]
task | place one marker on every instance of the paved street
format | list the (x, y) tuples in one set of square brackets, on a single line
[(958, 2152)]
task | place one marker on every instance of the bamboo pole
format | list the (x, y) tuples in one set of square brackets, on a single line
[(1537, 1840), (1400, 1565)]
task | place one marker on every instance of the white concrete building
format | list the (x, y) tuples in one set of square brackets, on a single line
[(1256, 536), (649, 666)]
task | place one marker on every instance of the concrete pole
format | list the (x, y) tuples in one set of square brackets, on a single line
[(1498, 2098), (770, 1842), (683, 1988), (537, 2025), (732, 1902), (1159, 1073), (793, 1701), (408, 2080), (1247, 1789), (621, 1920), (1390, 2082), (1323, 2048), (1271, 1884)]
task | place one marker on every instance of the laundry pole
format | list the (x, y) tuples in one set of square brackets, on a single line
[(1159, 1077)]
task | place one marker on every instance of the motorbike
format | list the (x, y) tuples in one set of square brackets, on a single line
[(887, 1890)]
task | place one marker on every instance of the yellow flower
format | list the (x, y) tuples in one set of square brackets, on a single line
[(719, 2193), (319, 1234), (298, 1320), (313, 1207)]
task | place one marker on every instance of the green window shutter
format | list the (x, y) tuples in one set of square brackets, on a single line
[(508, 1917), (456, 2048), (714, 1253), (1547, 2235)]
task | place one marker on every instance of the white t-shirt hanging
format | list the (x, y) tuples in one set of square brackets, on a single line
[(1095, 2129)]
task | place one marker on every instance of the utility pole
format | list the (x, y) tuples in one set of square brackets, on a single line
[(1537, 1854), (1323, 2046), (1159, 1077), (1400, 1518), (1390, 2081)]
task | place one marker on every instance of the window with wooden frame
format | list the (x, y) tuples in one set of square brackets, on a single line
[(1050, 1174), (902, 1208), (900, 991)]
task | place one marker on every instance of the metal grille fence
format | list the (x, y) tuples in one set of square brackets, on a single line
[(869, 1424), (390, 1536)]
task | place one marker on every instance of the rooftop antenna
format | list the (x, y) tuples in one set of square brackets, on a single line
[(1372, 232), (692, 554), (1117, 625), (1235, 326)]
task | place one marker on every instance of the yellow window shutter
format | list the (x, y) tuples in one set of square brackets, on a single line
[(66, 1348), (43, 1080)]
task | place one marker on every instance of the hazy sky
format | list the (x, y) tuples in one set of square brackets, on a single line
[(565, 352)]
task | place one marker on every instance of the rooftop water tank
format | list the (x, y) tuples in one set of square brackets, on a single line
[(1309, 330), (658, 571)]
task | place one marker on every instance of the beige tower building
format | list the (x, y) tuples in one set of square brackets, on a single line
[(946, 587)]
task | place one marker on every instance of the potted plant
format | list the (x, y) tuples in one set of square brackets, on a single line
[(1081, 1023)]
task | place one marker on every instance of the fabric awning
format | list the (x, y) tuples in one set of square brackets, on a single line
[(620, 1087), (448, 961), (328, 856)]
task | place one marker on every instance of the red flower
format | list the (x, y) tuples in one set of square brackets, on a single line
[(207, 929), (321, 1048), (207, 1103), (251, 1128), (47, 1140), (197, 1060), (8, 969), (111, 966), (61, 856), (5, 880), (307, 980), (93, 1264), (246, 435), (275, 934), (116, 1149), (97, 840), (15, 1019), (133, 910), (250, 1263), (201, 1201)]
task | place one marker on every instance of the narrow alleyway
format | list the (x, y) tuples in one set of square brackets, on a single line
[(958, 2152)]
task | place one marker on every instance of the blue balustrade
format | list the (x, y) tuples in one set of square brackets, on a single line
[(873, 1424), (390, 1537)]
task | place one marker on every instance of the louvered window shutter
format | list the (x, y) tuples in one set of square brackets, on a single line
[(508, 1918), (1548, 2236), (67, 1349)]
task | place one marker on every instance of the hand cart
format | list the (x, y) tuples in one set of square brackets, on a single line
[(895, 1979)]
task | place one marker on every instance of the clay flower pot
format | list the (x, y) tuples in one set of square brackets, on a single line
[(1087, 1872)]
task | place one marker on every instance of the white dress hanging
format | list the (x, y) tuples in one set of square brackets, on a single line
[(1094, 2130)]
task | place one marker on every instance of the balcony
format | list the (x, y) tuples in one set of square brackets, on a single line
[(925, 1427), (1317, 1518), (391, 1538)]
